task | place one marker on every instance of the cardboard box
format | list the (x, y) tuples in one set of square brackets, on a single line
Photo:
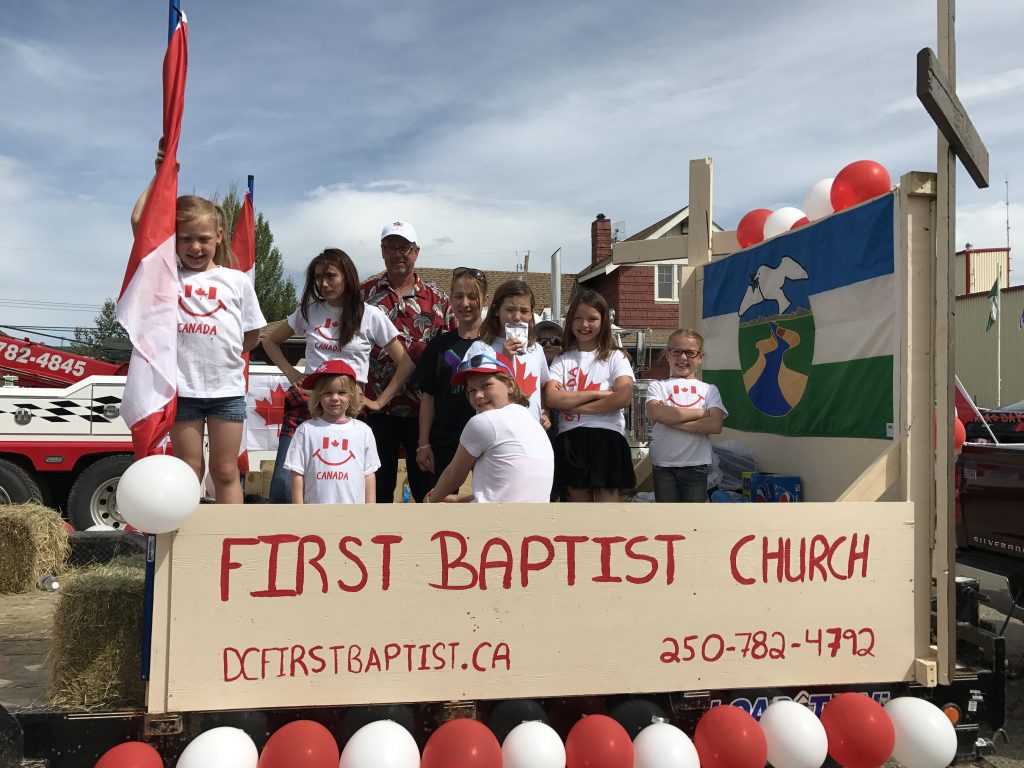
[(765, 487)]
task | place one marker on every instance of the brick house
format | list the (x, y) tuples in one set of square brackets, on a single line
[(642, 295)]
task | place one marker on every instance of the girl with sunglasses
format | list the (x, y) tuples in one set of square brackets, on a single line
[(444, 410), (685, 411), (503, 445)]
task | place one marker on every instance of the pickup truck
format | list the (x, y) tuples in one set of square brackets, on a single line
[(990, 522)]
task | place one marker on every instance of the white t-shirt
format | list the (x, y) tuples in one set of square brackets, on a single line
[(321, 334), (333, 459), (215, 310), (580, 371), (514, 458), (670, 447), (530, 368)]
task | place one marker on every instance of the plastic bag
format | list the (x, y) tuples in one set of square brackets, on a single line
[(734, 459), (715, 473)]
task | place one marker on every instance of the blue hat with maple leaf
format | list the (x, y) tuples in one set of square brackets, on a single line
[(328, 368), (482, 363)]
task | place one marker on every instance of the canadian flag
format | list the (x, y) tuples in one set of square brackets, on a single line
[(243, 244), (148, 303)]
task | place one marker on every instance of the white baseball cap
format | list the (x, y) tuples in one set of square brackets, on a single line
[(400, 228)]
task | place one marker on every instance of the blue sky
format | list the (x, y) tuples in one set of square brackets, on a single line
[(496, 129)]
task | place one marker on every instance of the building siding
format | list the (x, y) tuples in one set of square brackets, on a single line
[(975, 348)]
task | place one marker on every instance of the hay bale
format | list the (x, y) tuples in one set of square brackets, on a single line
[(33, 543), (97, 637)]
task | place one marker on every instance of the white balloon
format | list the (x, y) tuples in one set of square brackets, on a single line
[(781, 220), (795, 736), (222, 747), (381, 744), (158, 493), (662, 745), (533, 745), (925, 737), (818, 202)]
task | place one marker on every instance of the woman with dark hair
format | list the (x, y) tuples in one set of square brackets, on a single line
[(444, 410), (337, 325)]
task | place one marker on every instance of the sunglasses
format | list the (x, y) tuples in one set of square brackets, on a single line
[(471, 271), (478, 361), (552, 341), (690, 353), (405, 250)]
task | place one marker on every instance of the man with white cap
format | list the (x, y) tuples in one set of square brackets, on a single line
[(420, 311)]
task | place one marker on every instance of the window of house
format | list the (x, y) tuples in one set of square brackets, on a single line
[(666, 282)]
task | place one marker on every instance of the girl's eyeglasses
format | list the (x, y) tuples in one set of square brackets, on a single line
[(471, 271), (551, 341), (690, 353)]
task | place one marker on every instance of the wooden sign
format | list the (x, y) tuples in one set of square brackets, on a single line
[(335, 605)]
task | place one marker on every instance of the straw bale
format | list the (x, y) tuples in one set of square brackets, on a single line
[(97, 637), (33, 543)]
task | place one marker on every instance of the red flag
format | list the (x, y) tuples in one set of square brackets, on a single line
[(243, 244), (148, 303)]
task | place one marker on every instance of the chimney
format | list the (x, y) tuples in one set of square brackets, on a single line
[(600, 239)]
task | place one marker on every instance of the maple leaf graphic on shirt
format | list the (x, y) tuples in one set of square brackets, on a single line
[(272, 410), (583, 384), (526, 381)]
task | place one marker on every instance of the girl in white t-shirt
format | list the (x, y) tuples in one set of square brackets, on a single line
[(219, 319), (591, 384), (685, 411), (503, 445), (337, 325), (333, 457), (513, 305)]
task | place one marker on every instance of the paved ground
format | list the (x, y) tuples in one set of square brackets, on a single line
[(24, 644)]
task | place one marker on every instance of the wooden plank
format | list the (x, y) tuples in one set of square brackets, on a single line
[(698, 244), (880, 476), (940, 100)]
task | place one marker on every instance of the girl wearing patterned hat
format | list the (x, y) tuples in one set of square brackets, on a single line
[(333, 457), (503, 444)]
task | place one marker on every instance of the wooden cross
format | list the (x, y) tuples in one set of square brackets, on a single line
[(957, 138)]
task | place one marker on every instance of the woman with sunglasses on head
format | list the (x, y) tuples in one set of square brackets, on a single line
[(685, 411), (337, 325), (444, 409), (503, 444)]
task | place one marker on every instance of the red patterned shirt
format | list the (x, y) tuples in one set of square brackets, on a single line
[(419, 316)]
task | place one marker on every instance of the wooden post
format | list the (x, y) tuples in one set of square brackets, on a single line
[(698, 243)]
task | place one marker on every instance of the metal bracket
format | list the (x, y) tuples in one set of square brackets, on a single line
[(167, 724)]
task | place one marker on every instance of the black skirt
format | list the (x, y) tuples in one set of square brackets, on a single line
[(592, 458)]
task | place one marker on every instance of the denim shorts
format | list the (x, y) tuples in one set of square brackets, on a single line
[(202, 408)]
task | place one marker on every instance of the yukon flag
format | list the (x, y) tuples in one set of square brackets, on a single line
[(243, 245), (148, 303)]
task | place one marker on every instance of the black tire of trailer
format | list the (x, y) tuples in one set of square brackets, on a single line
[(16, 485), (92, 497)]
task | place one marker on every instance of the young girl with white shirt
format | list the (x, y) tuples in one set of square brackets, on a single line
[(337, 325), (591, 384), (219, 319), (685, 411), (503, 444), (333, 457), (513, 305)]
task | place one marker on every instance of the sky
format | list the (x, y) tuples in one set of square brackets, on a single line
[(496, 129)]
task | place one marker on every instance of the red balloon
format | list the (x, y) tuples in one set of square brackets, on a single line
[(750, 230), (598, 741), (858, 182), (131, 754), (300, 744), (860, 733), (728, 737), (799, 223), (959, 436), (461, 743)]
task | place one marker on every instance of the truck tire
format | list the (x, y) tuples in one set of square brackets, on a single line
[(92, 500), (17, 485)]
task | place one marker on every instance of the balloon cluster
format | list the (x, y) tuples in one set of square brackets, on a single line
[(854, 730), (857, 182)]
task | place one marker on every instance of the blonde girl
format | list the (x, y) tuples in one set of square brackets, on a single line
[(591, 384), (333, 457), (444, 410), (685, 411), (513, 304)]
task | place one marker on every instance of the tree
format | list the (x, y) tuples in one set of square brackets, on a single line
[(276, 293), (108, 340)]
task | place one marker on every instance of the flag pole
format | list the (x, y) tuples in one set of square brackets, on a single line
[(999, 336)]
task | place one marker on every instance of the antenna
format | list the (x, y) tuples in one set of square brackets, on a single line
[(617, 229), (1008, 271)]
